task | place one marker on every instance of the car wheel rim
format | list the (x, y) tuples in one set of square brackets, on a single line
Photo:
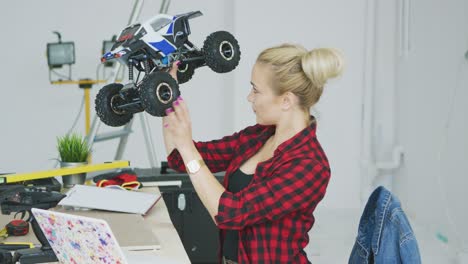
[(113, 103), (226, 50), (164, 93), (184, 69)]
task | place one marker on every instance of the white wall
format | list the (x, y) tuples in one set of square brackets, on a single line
[(34, 112), (313, 24), (432, 119), (420, 52)]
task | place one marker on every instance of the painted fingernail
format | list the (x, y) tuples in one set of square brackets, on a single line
[(169, 110), (176, 102), (180, 98), (178, 63), (166, 125)]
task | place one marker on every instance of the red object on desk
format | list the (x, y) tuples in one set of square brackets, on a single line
[(125, 180), (17, 227)]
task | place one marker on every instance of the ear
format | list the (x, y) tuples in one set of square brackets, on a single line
[(287, 101)]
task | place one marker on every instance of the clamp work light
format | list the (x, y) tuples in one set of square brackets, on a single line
[(59, 54)]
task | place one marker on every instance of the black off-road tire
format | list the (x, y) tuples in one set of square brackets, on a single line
[(157, 92), (106, 100), (185, 72), (222, 52)]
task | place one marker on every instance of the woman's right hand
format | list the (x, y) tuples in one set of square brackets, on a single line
[(173, 70)]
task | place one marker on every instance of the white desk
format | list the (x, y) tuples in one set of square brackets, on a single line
[(159, 220), (171, 245)]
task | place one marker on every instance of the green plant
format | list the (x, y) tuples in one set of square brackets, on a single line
[(73, 148)]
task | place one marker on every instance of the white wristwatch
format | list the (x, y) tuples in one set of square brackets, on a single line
[(194, 166)]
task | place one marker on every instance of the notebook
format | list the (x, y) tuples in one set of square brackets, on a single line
[(79, 239), (110, 199)]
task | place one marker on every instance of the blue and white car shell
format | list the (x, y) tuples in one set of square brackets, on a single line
[(163, 34)]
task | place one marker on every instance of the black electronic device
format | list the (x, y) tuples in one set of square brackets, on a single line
[(34, 255), (46, 184), (21, 199), (6, 257)]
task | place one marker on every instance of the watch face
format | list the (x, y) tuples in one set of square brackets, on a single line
[(193, 166)]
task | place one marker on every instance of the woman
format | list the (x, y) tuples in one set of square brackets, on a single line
[(276, 170)]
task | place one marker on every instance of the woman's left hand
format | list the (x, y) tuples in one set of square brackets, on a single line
[(178, 124)]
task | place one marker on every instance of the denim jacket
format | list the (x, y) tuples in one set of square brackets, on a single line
[(384, 235)]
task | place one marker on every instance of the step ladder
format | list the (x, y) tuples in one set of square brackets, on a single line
[(124, 133)]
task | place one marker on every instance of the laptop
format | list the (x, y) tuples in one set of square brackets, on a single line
[(80, 239)]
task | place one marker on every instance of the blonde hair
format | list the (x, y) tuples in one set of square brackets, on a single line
[(302, 72)]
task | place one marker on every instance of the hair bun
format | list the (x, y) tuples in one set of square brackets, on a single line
[(321, 64)]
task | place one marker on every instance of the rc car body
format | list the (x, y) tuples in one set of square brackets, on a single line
[(158, 37), (151, 47)]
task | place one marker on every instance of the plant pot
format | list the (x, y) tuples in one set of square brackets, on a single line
[(72, 179)]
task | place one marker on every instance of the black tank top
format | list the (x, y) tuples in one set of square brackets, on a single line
[(237, 182)]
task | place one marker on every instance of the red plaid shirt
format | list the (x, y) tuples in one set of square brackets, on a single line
[(275, 212)]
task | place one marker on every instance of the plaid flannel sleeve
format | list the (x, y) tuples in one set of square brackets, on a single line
[(298, 184), (217, 154)]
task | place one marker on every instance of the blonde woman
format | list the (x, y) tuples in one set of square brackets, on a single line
[(276, 170)]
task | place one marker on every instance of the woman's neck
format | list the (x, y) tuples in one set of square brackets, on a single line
[(288, 127)]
